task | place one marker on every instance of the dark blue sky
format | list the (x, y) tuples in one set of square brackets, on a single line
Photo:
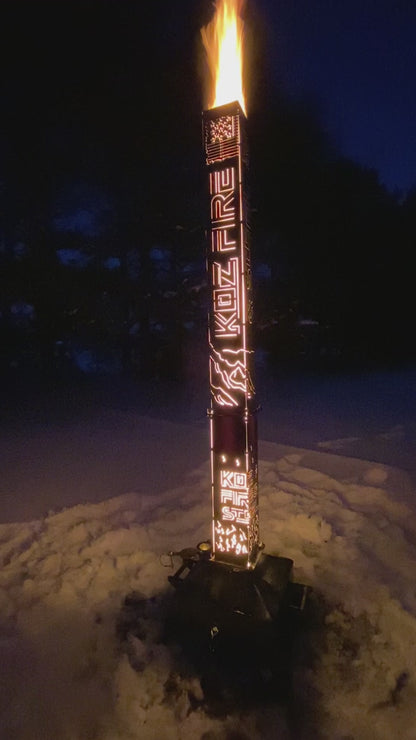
[(73, 68), (358, 59)]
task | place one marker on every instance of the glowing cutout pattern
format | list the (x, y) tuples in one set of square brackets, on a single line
[(222, 138), (232, 422)]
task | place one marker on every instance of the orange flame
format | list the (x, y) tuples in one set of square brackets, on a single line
[(223, 42)]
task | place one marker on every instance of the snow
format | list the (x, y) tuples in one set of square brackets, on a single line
[(92, 499)]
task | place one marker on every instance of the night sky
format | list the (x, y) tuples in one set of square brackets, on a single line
[(78, 77), (358, 60)]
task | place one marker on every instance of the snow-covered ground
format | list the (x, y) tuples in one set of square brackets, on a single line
[(97, 485)]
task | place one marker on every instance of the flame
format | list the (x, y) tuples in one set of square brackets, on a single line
[(223, 42)]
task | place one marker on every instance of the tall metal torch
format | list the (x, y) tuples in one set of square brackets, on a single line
[(233, 428), (228, 586)]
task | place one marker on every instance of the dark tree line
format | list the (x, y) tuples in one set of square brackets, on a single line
[(103, 206)]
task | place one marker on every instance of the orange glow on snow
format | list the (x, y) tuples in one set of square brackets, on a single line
[(223, 42)]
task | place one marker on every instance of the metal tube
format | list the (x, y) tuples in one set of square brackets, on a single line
[(233, 427)]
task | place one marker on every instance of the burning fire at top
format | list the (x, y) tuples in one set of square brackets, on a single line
[(223, 42)]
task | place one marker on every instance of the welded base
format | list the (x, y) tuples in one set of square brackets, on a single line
[(237, 626), (258, 594)]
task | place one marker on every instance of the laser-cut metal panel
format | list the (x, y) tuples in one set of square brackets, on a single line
[(233, 428), (234, 488)]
